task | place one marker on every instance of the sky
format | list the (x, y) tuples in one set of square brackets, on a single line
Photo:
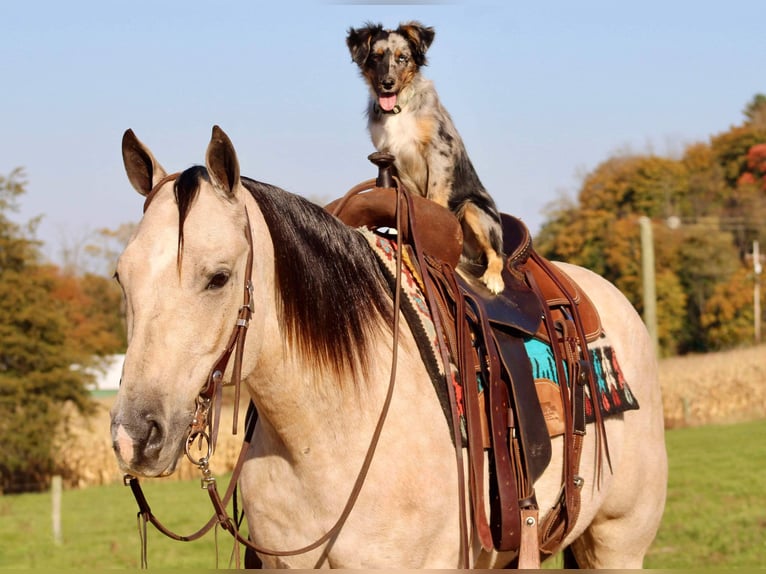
[(541, 92)]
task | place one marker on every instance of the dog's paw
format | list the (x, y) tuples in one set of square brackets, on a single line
[(493, 281)]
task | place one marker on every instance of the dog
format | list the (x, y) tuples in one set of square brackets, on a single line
[(406, 119)]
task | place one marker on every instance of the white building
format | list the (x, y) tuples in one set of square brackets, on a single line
[(107, 375)]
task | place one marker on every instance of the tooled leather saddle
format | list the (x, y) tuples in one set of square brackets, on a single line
[(483, 335)]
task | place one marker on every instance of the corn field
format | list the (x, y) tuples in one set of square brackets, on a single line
[(697, 390)]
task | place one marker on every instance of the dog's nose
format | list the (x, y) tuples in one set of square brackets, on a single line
[(388, 83)]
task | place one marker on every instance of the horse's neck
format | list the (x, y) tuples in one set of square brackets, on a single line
[(303, 408)]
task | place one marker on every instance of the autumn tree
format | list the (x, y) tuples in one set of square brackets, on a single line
[(727, 318), (36, 357), (93, 308), (731, 148), (706, 192), (601, 232), (755, 111), (706, 209)]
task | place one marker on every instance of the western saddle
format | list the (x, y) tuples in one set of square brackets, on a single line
[(499, 403)]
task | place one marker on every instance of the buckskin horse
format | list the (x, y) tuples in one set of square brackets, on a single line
[(216, 253)]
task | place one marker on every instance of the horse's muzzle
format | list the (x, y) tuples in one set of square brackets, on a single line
[(142, 446)]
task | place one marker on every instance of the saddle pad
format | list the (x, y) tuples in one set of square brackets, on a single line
[(614, 395), (415, 311)]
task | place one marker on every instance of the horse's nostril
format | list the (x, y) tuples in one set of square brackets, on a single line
[(155, 435)]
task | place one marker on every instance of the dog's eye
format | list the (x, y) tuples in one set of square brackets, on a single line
[(402, 59)]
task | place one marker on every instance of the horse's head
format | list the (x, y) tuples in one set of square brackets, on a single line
[(182, 274)]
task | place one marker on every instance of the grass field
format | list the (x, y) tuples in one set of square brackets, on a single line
[(99, 528), (715, 514)]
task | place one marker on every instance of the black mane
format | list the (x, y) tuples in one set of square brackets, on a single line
[(329, 288)]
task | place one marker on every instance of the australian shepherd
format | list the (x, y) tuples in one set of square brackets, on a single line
[(406, 119)]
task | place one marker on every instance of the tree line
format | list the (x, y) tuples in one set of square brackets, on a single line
[(707, 207), (54, 325)]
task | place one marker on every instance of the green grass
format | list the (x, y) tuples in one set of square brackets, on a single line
[(715, 514), (99, 528)]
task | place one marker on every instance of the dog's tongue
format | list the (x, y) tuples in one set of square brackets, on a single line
[(387, 102)]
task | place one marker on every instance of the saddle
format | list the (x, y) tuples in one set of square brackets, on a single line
[(483, 335)]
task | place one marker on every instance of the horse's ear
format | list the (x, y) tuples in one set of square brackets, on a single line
[(221, 161), (143, 170)]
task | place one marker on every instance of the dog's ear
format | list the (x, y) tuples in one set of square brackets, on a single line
[(359, 41), (419, 37)]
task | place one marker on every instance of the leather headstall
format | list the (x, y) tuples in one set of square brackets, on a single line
[(203, 427), (212, 391)]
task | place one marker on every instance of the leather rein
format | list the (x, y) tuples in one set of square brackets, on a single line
[(204, 428)]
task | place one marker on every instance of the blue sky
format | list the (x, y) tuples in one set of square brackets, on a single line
[(541, 92)]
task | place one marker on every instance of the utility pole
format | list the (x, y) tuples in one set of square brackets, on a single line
[(647, 273), (757, 270)]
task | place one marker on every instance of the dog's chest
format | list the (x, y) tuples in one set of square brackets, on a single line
[(407, 137)]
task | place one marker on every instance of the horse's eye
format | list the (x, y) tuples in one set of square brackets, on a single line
[(218, 280)]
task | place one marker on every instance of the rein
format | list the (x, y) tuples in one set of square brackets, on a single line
[(204, 429)]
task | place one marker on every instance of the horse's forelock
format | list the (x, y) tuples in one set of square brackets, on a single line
[(186, 189)]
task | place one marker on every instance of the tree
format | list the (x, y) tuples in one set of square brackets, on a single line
[(755, 111), (706, 191), (92, 305), (643, 185), (708, 257), (716, 191), (36, 357), (727, 318), (731, 147), (94, 253)]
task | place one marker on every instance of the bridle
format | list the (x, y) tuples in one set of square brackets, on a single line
[(204, 428)]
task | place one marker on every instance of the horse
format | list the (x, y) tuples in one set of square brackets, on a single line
[(316, 365)]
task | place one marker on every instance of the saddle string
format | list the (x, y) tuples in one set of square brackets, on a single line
[(430, 287), (566, 504), (602, 448)]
